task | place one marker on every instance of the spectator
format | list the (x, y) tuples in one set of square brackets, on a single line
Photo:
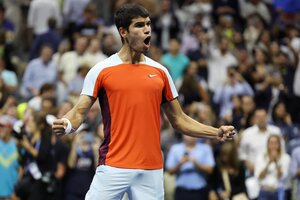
[(9, 78), (235, 85), (47, 90), (5, 23), (193, 89), (63, 47), (282, 119), (244, 64), (190, 41), (9, 107), (254, 26), (286, 65), (39, 71), (61, 152), (219, 61), (82, 162), (274, 51), (296, 107), (89, 26), (175, 61), (110, 43), (73, 13), (71, 60), (196, 11), (166, 26), (231, 8), (62, 94), (4, 94), (225, 29), (272, 171), (228, 178), (155, 53), (13, 14), (293, 35), (262, 79), (244, 119), (264, 41), (237, 40), (295, 169), (253, 142), (254, 139), (51, 37), (9, 165), (201, 54), (48, 105), (38, 161), (7, 52), (192, 162), (75, 85), (94, 54), (38, 15), (255, 7)]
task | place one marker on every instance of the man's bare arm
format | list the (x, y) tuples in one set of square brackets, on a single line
[(75, 115), (186, 125)]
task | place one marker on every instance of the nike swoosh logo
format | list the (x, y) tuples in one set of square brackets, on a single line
[(152, 75)]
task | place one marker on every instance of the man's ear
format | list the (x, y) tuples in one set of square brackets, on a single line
[(123, 32)]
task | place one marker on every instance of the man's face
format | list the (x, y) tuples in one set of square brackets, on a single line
[(46, 54), (139, 34), (80, 45), (5, 131), (261, 118), (174, 46), (223, 45)]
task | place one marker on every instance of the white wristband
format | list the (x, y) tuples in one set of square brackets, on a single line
[(69, 129)]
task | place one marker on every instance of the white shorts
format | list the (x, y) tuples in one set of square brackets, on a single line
[(110, 183)]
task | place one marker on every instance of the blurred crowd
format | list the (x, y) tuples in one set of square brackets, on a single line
[(233, 62)]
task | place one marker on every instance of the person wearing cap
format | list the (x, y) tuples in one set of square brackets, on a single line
[(9, 165)]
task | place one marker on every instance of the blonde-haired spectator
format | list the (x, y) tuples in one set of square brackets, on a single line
[(272, 171)]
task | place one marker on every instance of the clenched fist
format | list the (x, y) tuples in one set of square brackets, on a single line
[(226, 133), (59, 126)]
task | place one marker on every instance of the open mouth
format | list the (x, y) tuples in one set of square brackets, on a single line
[(147, 40)]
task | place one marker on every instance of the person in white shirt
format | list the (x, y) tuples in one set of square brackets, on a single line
[(254, 139), (39, 13), (218, 64), (272, 170), (71, 60), (255, 6)]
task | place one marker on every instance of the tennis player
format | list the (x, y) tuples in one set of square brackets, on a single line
[(131, 89)]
